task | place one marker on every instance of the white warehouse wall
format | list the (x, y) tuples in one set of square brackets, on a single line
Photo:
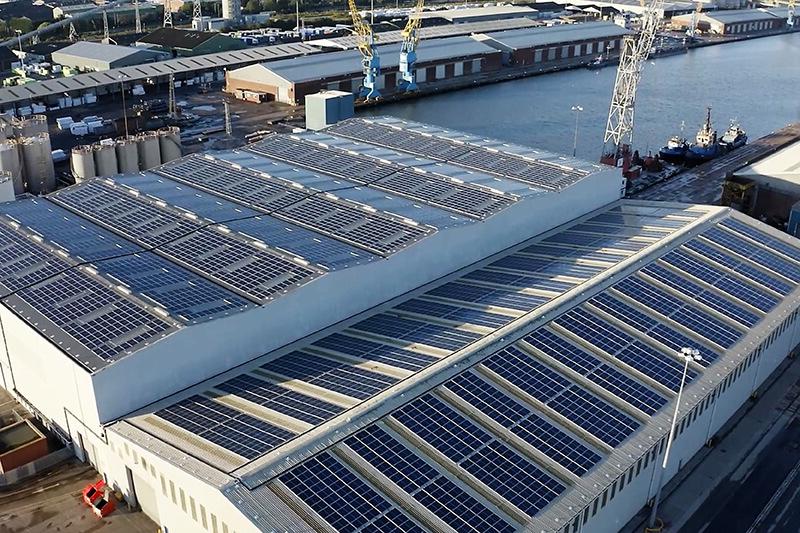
[(203, 350)]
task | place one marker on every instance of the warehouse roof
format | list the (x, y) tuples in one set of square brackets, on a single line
[(432, 32), (234, 231), (563, 33), (734, 16), (82, 82), (486, 12), (633, 6), (783, 165), (178, 38), (347, 62), (554, 363), (108, 53)]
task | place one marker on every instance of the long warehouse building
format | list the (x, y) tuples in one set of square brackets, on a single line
[(386, 326)]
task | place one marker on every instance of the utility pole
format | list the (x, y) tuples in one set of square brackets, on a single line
[(138, 16), (106, 36), (173, 105), (228, 124), (577, 110), (297, 15)]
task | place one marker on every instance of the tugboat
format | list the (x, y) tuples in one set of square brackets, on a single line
[(705, 147), (599, 62), (735, 137), (675, 150)]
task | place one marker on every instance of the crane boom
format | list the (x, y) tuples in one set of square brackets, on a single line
[(370, 62), (635, 51), (408, 48), (695, 19)]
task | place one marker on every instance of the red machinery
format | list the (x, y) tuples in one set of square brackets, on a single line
[(94, 495)]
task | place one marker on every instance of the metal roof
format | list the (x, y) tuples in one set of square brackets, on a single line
[(347, 62), (734, 16), (83, 82), (554, 363), (108, 53), (432, 32), (479, 12), (563, 33)]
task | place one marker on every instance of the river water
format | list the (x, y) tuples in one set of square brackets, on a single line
[(755, 81)]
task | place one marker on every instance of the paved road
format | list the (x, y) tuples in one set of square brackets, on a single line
[(766, 499)]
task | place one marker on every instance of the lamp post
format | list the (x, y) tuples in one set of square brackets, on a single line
[(21, 53), (577, 110), (688, 355), (121, 77)]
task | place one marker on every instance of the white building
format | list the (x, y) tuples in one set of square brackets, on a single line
[(289, 337)]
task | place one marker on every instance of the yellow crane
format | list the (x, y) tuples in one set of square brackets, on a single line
[(370, 62), (408, 49)]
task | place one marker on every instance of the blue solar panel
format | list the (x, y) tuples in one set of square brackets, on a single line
[(179, 291), (233, 430), (564, 252), (597, 371), (343, 499), (687, 315), (620, 231), (724, 282), (530, 264), (23, 263), (375, 351), (699, 293), (328, 374), (762, 238), (617, 343), (488, 296), (629, 244), (651, 327), (313, 246), (554, 442), (479, 453), (519, 280), (451, 312), (758, 254), (415, 331), (82, 239), (551, 388), (286, 401), (637, 220)]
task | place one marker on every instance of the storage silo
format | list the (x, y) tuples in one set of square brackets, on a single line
[(37, 164), (82, 163), (7, 193), (6, 126), (149, 150), (30, 126), (127, 155), (169, 140), (10, 162), (105, 159)]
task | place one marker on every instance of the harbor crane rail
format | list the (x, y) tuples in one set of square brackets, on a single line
[(635, 51), (408, 49), (370, 62)]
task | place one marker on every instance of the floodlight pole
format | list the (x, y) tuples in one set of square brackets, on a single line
[(688, 355)]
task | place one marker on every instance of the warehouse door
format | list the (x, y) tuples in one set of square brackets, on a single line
[(145, 495)]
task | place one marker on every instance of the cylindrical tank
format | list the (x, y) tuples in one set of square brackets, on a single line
[(169, 139), (82, 163), (127, 155), (37, 164), (105, 159), (7, 193), (10, 162), (30, 126), (149, 151), (6, 126)]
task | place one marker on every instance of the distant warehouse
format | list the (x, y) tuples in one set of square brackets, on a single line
[(739, 21), (290, 80), (185, 43), (88, 56), (439, 60), (480, 14)]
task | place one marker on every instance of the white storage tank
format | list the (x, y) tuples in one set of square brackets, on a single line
[(82, 163), (6, 187), (149, 151), (169, 139), (10, 162), (127, 155), (6, 127), (105, 159), (31, 126), (37, 164)]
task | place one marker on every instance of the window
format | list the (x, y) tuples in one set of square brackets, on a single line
[(163, 486), (613, 490), (638, 466), (576, 523), (622, 482), (224, 528), (183, 500), (214, 523), (630, 475), (605, 499), (192, 507), (172, 491), (152, 470), (594, 507), (585, 515), (203, 517)]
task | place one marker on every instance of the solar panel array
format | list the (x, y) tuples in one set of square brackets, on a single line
[(426, 187), (537, 173), (354, 224), (498, 442), (23, 263)]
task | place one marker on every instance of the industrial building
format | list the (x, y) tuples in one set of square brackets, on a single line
[(289, 81), (556, 43), (671, 8), (95, 57), (189, 43), (737, 22), (480, 14), (386, 326)]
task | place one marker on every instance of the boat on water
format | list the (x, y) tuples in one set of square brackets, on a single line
[(706, 147), (599, 62), (734, 137), (675, 150)]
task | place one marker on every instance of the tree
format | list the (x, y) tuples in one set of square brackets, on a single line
[(22, 24), (252, 6)]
